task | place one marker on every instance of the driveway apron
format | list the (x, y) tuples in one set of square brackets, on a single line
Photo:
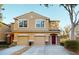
[(47, 50)]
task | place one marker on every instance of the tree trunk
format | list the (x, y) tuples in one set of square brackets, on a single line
[(72, 33)]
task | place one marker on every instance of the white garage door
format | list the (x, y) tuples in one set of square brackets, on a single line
[(39, 40), (23, 40)]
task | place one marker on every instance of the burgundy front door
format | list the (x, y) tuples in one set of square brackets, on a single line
[(53, 39)]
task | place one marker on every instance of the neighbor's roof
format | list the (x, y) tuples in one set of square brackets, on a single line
[(4, 24)]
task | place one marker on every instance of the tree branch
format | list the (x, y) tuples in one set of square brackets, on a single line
[(71, 18), (75, 16), (66, 7), (76, 23)]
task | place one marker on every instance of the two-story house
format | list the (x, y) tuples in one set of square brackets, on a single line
[(35, 28)]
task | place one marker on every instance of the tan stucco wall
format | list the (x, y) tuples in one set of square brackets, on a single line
[(31, 26), (54, 24), (31, 22)]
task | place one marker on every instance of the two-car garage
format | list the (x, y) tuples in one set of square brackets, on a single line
[(37, 39)]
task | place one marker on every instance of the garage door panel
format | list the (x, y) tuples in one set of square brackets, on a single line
[(39, 40), (22, 40)]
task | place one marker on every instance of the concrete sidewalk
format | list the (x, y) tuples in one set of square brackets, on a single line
[(47, 50)]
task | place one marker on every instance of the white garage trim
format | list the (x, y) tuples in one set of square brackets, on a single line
[(46, 40), (31, 40), (23, 35), (40, 35)]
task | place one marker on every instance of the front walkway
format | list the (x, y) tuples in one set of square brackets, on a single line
[(47, 50)]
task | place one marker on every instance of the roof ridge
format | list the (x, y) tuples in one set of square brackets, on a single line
[(30, 12)]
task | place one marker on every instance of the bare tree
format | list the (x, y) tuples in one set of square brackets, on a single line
[(1, 5), (70, 8)]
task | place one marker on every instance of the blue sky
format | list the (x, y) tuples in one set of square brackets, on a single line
[(53, 12)]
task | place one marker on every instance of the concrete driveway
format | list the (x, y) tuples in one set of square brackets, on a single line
[(9, 51), (47, 50)]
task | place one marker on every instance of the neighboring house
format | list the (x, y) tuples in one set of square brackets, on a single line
[(4, 28), (33, 28)]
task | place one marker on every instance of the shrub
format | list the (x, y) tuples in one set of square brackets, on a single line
[(4, 46), (72, 45), (62, 43)]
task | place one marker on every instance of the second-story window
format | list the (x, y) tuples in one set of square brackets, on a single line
[(23, 23), (39, 23)]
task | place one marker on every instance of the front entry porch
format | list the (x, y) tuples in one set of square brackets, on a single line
[(54, 39)]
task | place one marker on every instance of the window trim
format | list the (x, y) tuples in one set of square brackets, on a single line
[(39, 20), (22, 20)]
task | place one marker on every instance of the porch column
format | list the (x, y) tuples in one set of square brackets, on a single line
[(56, 40), (50, 40)]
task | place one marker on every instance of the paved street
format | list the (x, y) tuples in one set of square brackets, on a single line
[(47, 50), (11, 50)]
